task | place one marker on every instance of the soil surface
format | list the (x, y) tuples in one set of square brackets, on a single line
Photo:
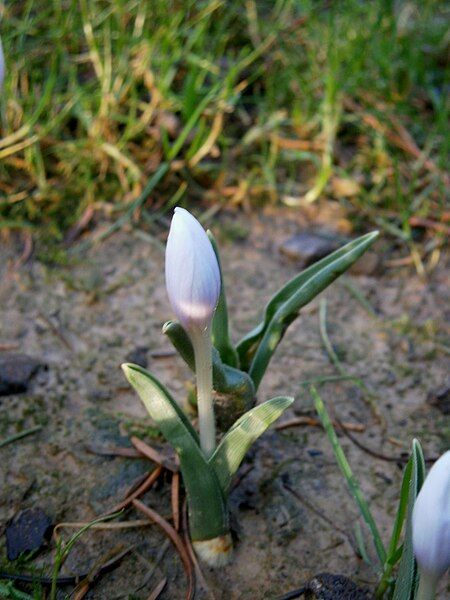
[(292, 511)]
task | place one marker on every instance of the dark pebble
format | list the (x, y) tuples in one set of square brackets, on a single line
[(307, 247), (440, 398), (26, 532), (327, 586), (16, 371), (138, 356)]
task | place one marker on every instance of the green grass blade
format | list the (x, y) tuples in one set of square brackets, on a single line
[(352, 483), (233, 447), (405, 586), (208, 515), (192, 122), (286, 304), (220, 328), (393, 554)]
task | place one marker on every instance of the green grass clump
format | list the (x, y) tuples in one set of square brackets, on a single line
[(239, 101)]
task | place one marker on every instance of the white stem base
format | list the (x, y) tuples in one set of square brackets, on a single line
[(216, 552), (427, 587)]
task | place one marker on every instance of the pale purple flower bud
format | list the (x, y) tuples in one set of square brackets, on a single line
[(192, 272), (431, 521)]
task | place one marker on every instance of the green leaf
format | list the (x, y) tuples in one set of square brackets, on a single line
[(233, 447), (226, 380), (405, 586), (351, 480), (256, 348), (220, 329), (394, 552), (208, 515)]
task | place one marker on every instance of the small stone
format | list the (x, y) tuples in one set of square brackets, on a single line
[(440, 398), (327, 586), (308, 247), (26, 532), (368, 264), (16, 371), (138, 356)]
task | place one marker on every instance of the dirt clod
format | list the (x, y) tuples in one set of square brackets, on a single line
[(16, 371), (26, 532)]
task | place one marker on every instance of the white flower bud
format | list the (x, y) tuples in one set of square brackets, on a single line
[(431, 522), (192, 272)]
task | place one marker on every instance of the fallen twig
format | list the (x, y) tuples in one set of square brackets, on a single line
[(58, 333), (146, 485), (175, 500), (27, 250), (313, 422), (175, 539), (158, 589), (153, 454), (396, 459), (118, 525)]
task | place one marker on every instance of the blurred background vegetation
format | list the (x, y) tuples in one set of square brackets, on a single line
[(128, 107)]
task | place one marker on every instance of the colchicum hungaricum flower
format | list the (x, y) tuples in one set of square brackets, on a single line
[(197, 295), (192, 272), (193, 287), (431, 527)]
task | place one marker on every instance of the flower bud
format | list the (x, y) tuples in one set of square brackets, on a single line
[(192, 272), (431, 521)]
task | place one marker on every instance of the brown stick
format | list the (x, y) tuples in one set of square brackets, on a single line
[(176, 541), (175, 499), (153, 454), (154, 595), (313, 422), (146, 485)]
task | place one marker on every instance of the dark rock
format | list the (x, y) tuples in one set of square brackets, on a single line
[(368, 264), (16, 371), (440, 398), (138, 356), (26, 532), (327, 586), (308, 247)]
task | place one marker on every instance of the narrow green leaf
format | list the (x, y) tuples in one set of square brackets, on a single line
[(361, 544), (220, 329), (192, 122), (405, 586), (208, 515), (233, 447), (393, 554), (256, 349), (352, 482)]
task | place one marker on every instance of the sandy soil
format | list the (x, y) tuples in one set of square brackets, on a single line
[(83, 320)]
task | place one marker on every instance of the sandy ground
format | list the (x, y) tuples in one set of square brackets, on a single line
[(83, 320)]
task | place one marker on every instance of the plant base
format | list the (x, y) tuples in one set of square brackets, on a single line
[(216, 552)]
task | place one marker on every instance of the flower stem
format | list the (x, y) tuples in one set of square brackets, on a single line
[(427, 587), (201, 340)]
